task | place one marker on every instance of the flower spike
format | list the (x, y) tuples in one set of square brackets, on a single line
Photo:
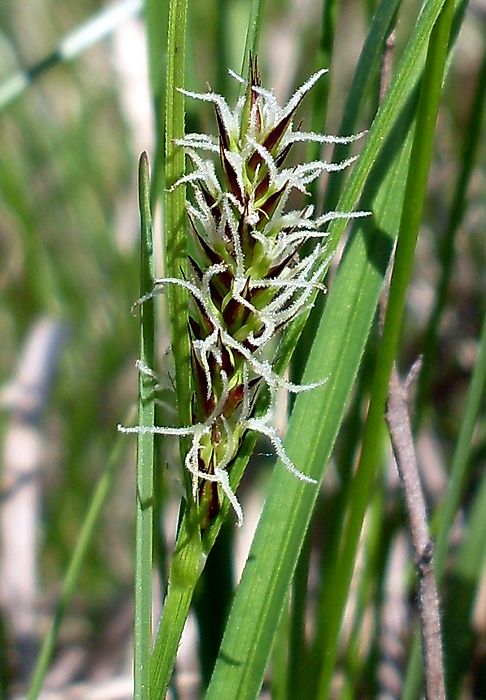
[(247, 278)]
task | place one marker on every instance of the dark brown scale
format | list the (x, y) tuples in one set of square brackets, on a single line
[(230, 173), (217, 291), (265, 182), (277, 269), (279, 160), (278, 131), (234, 311), (272, 139), (262, 187), (195, 328), (224, 139), (255, 77), (212, 255), (222, 284), (215, 438), (256, 334), (202, 313), (268, 207), (216, 295), (248, 344), (195, 268), (214, 503), (226, 359), (236, 397), (210, 201), (228, 235), (208, 494), (205, 404), (244, 236), (253, 163), (208, 326)]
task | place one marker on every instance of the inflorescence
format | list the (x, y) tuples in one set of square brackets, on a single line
[(247, 280)]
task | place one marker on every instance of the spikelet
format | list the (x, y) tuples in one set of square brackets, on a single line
[(247, 280)]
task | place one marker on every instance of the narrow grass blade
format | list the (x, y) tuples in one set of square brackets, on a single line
[(459, 465), (252, 37), (408, 234), (470, 150), (463, 593), (313, 427), (336, 354), (187, 560), (365, 75), (86, 536), (144, 514), (175, 210), (323, 59), (157, 22)]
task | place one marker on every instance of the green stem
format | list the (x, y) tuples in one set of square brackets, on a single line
[(175, 211), (186, 567), (188, 560), (144, 518)]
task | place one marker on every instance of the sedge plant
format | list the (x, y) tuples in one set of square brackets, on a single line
[(249, 271), (250, 274)]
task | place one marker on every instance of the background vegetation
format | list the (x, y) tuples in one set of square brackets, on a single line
[(69, 237)]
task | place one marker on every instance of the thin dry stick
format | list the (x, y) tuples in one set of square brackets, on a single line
[(399, 425)]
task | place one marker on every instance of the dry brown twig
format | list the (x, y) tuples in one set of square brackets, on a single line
[(399, 425)]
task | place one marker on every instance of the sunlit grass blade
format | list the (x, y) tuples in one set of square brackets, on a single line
[(188, 546), (471, 558), (252, 36), (365, 75), (409, 228), (186, 566), (314, 424), (400, 92), (323, 59), (244, 654)]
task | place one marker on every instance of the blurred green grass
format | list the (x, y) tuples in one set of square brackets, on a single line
[(69, 239)]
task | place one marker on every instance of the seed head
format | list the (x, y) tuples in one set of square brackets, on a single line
[(248, 279)]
